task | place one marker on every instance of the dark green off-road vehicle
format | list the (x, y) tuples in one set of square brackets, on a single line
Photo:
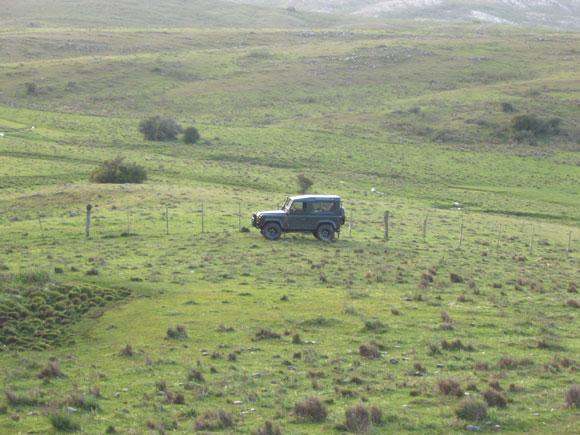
[(321, 215)]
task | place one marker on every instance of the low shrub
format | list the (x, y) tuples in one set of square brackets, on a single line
[(118, 171), (527, 128), (32, 89), (304, 183), (573, 396), (82, 401), (63, 422), (214, 420), (450, 387), (481, 366), (455, 278), (495, 399), (375, 326), (310, 409), (52, 370), (471, 410), (191, 135), (127, 351), (269, 428), (507, 107), (369, 351), (160, 129), (195, 375), (512, 363), (445, 317), (456, 345), (174, 398), (266, 334), (358, 419), (376, 415), (32, 398), (177, 333)]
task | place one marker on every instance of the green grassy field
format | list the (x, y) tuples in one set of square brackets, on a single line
[(414, 112)]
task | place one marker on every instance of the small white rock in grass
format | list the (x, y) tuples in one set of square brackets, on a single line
[(1, 134)]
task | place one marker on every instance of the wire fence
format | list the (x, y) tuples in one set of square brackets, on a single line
[(404, 228)]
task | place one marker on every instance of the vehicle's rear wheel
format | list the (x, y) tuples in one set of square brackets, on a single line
[(325, 232), (272, 231)]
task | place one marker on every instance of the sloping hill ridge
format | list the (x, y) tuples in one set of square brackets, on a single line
[(553, 13), (154, 13)]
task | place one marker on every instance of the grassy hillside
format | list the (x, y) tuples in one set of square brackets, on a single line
[(473, 295), (564, 14), (137, 13)]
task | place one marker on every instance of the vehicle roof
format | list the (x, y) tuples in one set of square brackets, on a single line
[(314, 197)]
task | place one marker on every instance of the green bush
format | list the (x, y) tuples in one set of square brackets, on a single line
[(159, 129), (119, 171), (63, 422), (527, 128), (191, 135), (31, 89), (304, 183), (507, 107)]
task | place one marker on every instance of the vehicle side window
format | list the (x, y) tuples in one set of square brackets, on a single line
[(298, 207), (323, 207)]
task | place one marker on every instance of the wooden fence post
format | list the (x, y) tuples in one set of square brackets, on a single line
[(461, 233), (498, 237), (532, 239), (386, 219), (202, 218), (425, 222), (569, 242), (239, 216), (88, 222), (167, 220), (350, 221), (40, 224), (128, 222)]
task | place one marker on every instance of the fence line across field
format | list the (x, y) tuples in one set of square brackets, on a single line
[(202, 219), (431, 229)]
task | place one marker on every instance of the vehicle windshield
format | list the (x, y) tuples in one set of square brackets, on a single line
[(287, 204)]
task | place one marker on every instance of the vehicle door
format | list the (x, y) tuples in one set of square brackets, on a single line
[(297, 216), (320, 211)]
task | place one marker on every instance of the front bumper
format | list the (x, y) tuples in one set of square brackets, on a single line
[(256, 221)]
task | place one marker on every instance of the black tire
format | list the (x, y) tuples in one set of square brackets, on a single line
[(325, 233), (272, 231)]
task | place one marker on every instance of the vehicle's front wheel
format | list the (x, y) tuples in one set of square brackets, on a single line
[(272, 231), (325, 232)]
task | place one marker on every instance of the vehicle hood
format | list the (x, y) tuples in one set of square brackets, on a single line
[(271, 213)]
